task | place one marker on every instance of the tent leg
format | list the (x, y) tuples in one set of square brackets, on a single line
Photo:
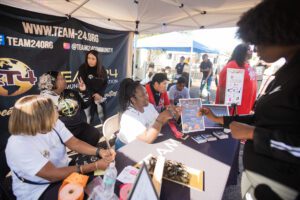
[(191, 54), (135, 38)]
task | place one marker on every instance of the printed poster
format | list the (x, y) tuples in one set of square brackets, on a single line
[(234, 86), (190, 121)]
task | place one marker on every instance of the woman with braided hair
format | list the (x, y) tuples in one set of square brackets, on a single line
[(139, 119)]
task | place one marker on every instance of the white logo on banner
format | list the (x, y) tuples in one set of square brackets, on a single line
[(170, 144)]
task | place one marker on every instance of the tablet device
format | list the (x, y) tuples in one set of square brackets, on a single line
[(218, 110)]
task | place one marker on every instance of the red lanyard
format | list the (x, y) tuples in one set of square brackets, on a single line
[(175, 132)]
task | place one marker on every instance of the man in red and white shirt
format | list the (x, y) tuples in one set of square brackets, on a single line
[(157, 92)]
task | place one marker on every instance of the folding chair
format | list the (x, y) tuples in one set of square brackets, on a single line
[(111, 126)]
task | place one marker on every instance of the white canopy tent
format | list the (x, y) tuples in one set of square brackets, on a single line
[(144, 16), (174, 42)]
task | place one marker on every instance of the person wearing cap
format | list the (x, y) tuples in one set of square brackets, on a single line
[(157, 92)]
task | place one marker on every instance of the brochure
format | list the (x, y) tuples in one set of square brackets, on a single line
[(189, 119)]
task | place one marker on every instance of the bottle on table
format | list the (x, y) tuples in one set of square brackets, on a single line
[(109, 180)]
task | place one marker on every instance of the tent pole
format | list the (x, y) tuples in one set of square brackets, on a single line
[(191, 54), (79, 6), (135, 38)]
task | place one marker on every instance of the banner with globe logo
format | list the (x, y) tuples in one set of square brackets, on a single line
[(32, 44)]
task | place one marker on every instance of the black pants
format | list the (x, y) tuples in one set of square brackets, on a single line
[(86, 133), (52, 190)]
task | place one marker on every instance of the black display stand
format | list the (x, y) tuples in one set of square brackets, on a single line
[(234, 109)]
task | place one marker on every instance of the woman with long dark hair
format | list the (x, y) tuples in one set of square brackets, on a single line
[(239, 60), (94, 75), (139, 119)]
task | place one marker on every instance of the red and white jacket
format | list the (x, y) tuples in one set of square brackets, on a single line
[(163, 101)]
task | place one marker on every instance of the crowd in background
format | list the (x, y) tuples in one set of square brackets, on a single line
[(269, 121)]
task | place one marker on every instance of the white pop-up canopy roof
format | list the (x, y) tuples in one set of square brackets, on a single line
[(144, 16), (173, 42)]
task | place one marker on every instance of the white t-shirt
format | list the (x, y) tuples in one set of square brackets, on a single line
[(134, 123), (175, 94), (26, 155)]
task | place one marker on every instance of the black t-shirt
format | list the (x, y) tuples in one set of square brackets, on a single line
[(93, 82), (70, 106), (204, 66), (179, 68)]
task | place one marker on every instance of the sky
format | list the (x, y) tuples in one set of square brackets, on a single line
[(222, 39)]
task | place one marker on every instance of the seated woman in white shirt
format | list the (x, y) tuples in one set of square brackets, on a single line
[(36, 151), (139, 119)]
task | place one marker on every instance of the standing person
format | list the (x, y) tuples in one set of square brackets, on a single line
[(206, 68), (179, 91), (150, 73), (180, 66), (169, 73), (36, 150), (94, 76), (272, 152), (70, 105), (157, 92), (239, 60)]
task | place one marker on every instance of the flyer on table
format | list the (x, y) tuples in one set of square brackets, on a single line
[(190, 121)]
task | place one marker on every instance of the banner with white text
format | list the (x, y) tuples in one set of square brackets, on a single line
[(32, 44)]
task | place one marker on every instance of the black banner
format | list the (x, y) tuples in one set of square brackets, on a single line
[(32, 44)]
